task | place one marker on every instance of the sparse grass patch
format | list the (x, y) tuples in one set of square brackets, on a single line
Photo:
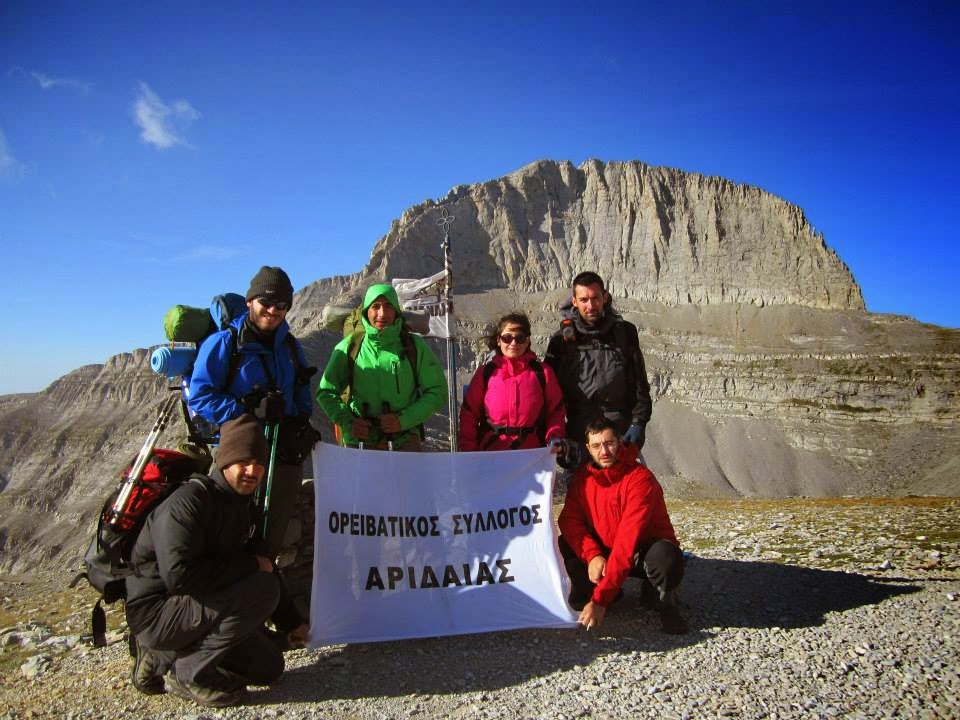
[(912, 534)]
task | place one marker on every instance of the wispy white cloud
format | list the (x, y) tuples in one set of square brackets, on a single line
[(206, 253), (51, 82), (48, 81), (162, 124), (9, 167)]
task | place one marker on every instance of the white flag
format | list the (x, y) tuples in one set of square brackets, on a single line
[(427, 544), (425, 297)]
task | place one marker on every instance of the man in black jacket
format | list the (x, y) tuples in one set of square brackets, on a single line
[(200, 595), (596, 355)]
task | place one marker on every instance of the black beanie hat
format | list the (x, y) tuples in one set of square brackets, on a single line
[(271, 282), (241, 439)]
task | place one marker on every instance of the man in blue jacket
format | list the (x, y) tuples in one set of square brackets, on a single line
[(256, 366)]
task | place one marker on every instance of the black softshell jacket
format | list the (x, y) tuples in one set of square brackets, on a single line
[(600, 374), (193, 544)]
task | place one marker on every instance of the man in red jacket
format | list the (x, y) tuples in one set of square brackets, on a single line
[(614, 524)]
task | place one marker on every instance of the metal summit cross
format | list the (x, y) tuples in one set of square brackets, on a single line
[(445, 221)]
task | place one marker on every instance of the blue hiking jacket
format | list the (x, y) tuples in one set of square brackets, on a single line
[(215, 401)]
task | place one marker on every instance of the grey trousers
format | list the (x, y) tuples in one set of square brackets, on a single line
[(223, 630)]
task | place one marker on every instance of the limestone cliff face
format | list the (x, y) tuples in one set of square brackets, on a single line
[(63, 449), (655, 234), (768, 376)]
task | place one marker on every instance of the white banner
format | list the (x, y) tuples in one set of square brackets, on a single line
[(425, 296), (427, 544)]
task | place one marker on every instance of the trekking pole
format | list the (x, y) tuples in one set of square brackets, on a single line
[(385, 410), (364, 415), (272, 432), (136, 471)]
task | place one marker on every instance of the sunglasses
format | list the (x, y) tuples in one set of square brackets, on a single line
[(280, 305), (507, 338)]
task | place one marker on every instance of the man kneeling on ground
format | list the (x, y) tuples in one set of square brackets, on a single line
[(614, 524), (200, 595)]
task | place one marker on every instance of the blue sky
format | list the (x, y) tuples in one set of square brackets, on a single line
[(160, 153)]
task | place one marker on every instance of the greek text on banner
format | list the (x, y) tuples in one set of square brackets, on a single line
[(427, 544)]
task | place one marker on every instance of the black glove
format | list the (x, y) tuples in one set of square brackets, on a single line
[(296, 441), (251, 401), (271, 407), (569, 456), (635, 435)]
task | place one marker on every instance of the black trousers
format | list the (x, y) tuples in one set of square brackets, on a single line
[(223, 630), (659, 564), (287, 481)]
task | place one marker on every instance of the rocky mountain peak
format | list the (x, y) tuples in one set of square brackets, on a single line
[(655, 234)]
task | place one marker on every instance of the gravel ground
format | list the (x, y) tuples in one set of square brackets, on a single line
[(798, 609)]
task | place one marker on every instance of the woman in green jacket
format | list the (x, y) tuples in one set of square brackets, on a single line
[(389, 398)]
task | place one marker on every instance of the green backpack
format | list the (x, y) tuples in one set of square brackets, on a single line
[(183, 323)]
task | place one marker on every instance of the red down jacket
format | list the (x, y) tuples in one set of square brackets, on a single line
[(618, 508)]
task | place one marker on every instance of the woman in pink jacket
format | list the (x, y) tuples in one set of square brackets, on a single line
[(513, 401)]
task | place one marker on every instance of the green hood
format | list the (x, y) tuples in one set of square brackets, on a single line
[(385, 289)]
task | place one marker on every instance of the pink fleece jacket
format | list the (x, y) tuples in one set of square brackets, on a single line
[(513, 399)]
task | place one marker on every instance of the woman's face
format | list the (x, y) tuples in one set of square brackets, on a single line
[(513, 341)]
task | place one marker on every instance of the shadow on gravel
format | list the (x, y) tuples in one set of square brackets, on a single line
[(732, 593), (472, 663), (435, 666), (722, 593)]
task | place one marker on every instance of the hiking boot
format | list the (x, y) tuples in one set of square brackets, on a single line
[(148, 669), (671, 621), (649, 596), (279, 639), (203, 695)]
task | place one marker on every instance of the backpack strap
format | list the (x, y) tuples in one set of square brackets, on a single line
[(626, 343), (301, 373), (484, 425), (356, 340), (98, 624), (233, 367), (410, 350), (537, 367)]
